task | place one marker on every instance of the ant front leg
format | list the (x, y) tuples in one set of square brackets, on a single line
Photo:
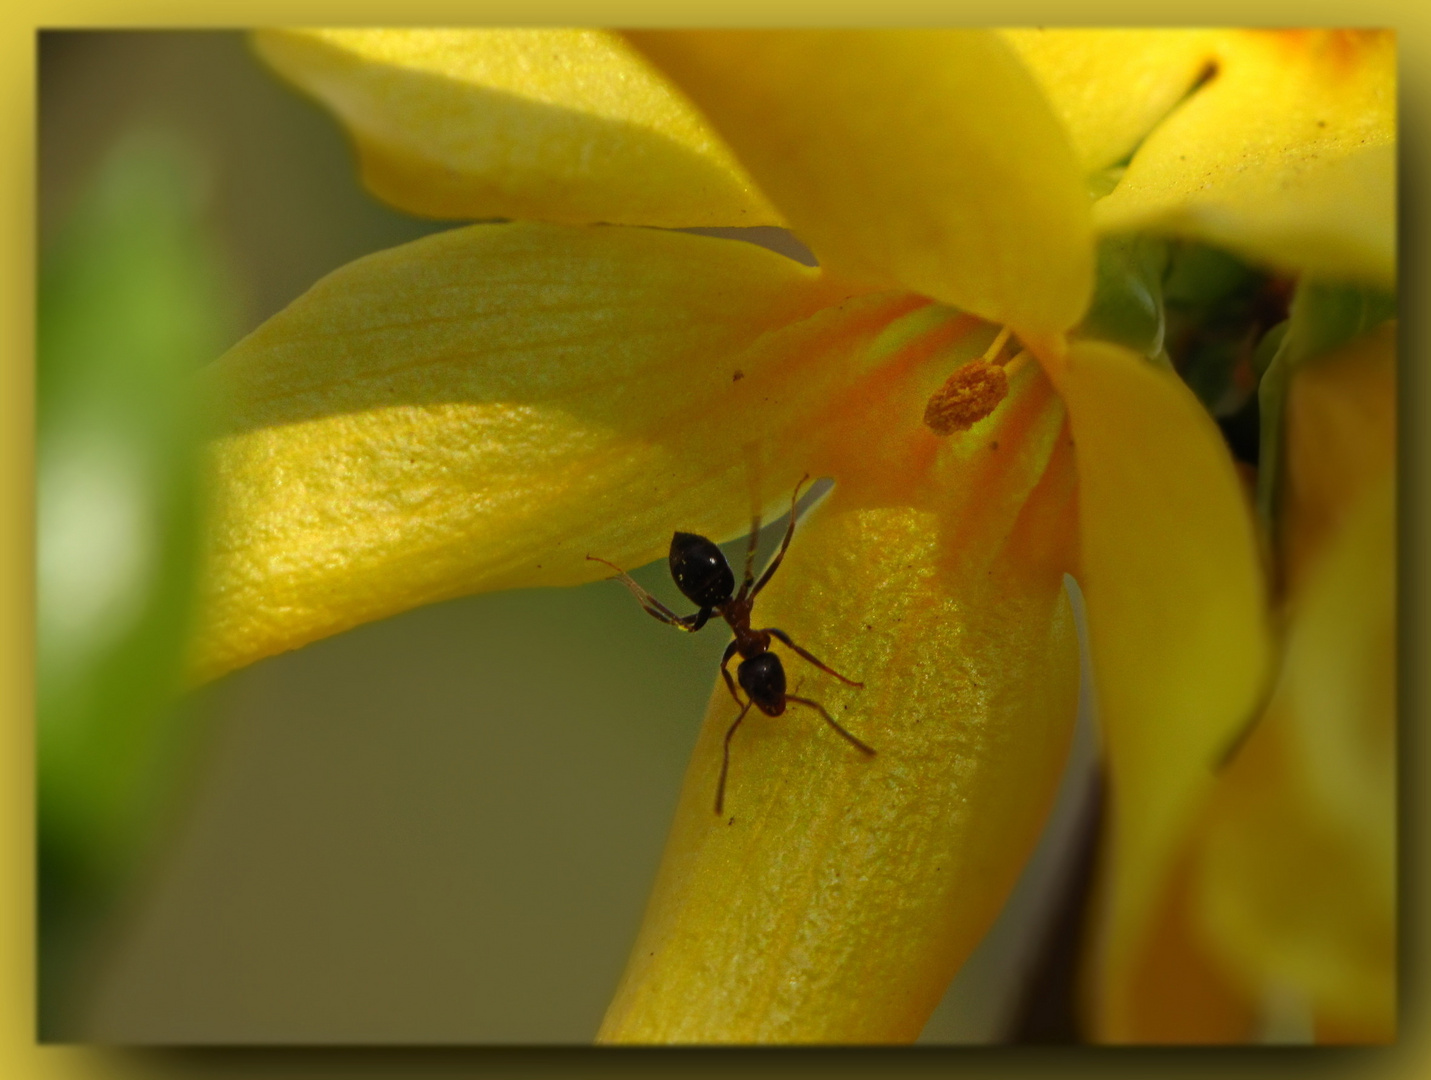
[(750, 556), (783, 636), (654, 607), (784, 544)]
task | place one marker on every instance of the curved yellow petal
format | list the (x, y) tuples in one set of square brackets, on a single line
[(1286, 156), (1178, 994), (1340, 436), (837, 894), (1299, 865), (927, 159), (1109, 87), (1171, 574), (483, 408), (559, 125), (1298, 882)]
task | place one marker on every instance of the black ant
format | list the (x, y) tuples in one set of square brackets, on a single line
[(704, 577)]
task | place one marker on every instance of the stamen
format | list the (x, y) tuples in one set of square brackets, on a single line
[(967, 396), (993, 350), (1011, 364)]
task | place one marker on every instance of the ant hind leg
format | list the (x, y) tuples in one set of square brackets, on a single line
[(831, 721), (783, 636), (725, 760)]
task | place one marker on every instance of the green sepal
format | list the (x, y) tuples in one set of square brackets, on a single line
[(1267, 347), (1202, 278), (1127, 307), (1323, 318), (1212, 302)]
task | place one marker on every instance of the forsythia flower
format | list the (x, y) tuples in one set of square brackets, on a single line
[(483, 408), (1287, 885)]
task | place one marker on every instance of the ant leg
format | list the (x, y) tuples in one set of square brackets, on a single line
[(724, 660), (752, 471), (831, 721), (750, 555), (725, 761), (789, 532), (654, 607), (783, 636)]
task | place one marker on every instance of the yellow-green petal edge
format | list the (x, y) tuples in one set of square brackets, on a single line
[(545, 124)]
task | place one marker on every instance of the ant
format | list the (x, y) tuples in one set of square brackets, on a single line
[(704, 577)]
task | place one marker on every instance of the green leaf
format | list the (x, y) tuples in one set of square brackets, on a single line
[(132, 301)]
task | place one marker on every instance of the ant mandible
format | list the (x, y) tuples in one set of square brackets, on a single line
[(704, 577)]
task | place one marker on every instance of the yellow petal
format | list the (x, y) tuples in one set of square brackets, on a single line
[(838, 894), (1299, 867), (1175, 619), (1340, 438), (1286, 156), (928, 159), (1178, 994), (483, 408), (543, 124), (1299, 863), (1109, 87)]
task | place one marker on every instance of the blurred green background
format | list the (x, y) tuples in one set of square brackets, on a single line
[(440, 828)]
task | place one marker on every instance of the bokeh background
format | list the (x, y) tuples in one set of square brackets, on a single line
[(440, 828)]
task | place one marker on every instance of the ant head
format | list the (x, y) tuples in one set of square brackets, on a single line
[(763, 678), (700, 570)]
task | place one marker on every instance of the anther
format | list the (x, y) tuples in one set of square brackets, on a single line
[(967, 396)]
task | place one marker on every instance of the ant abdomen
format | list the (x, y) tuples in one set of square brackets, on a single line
[(700, 570), (762, 677)]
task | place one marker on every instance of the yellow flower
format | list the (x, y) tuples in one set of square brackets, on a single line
[(1287, 885), (483, 408)]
